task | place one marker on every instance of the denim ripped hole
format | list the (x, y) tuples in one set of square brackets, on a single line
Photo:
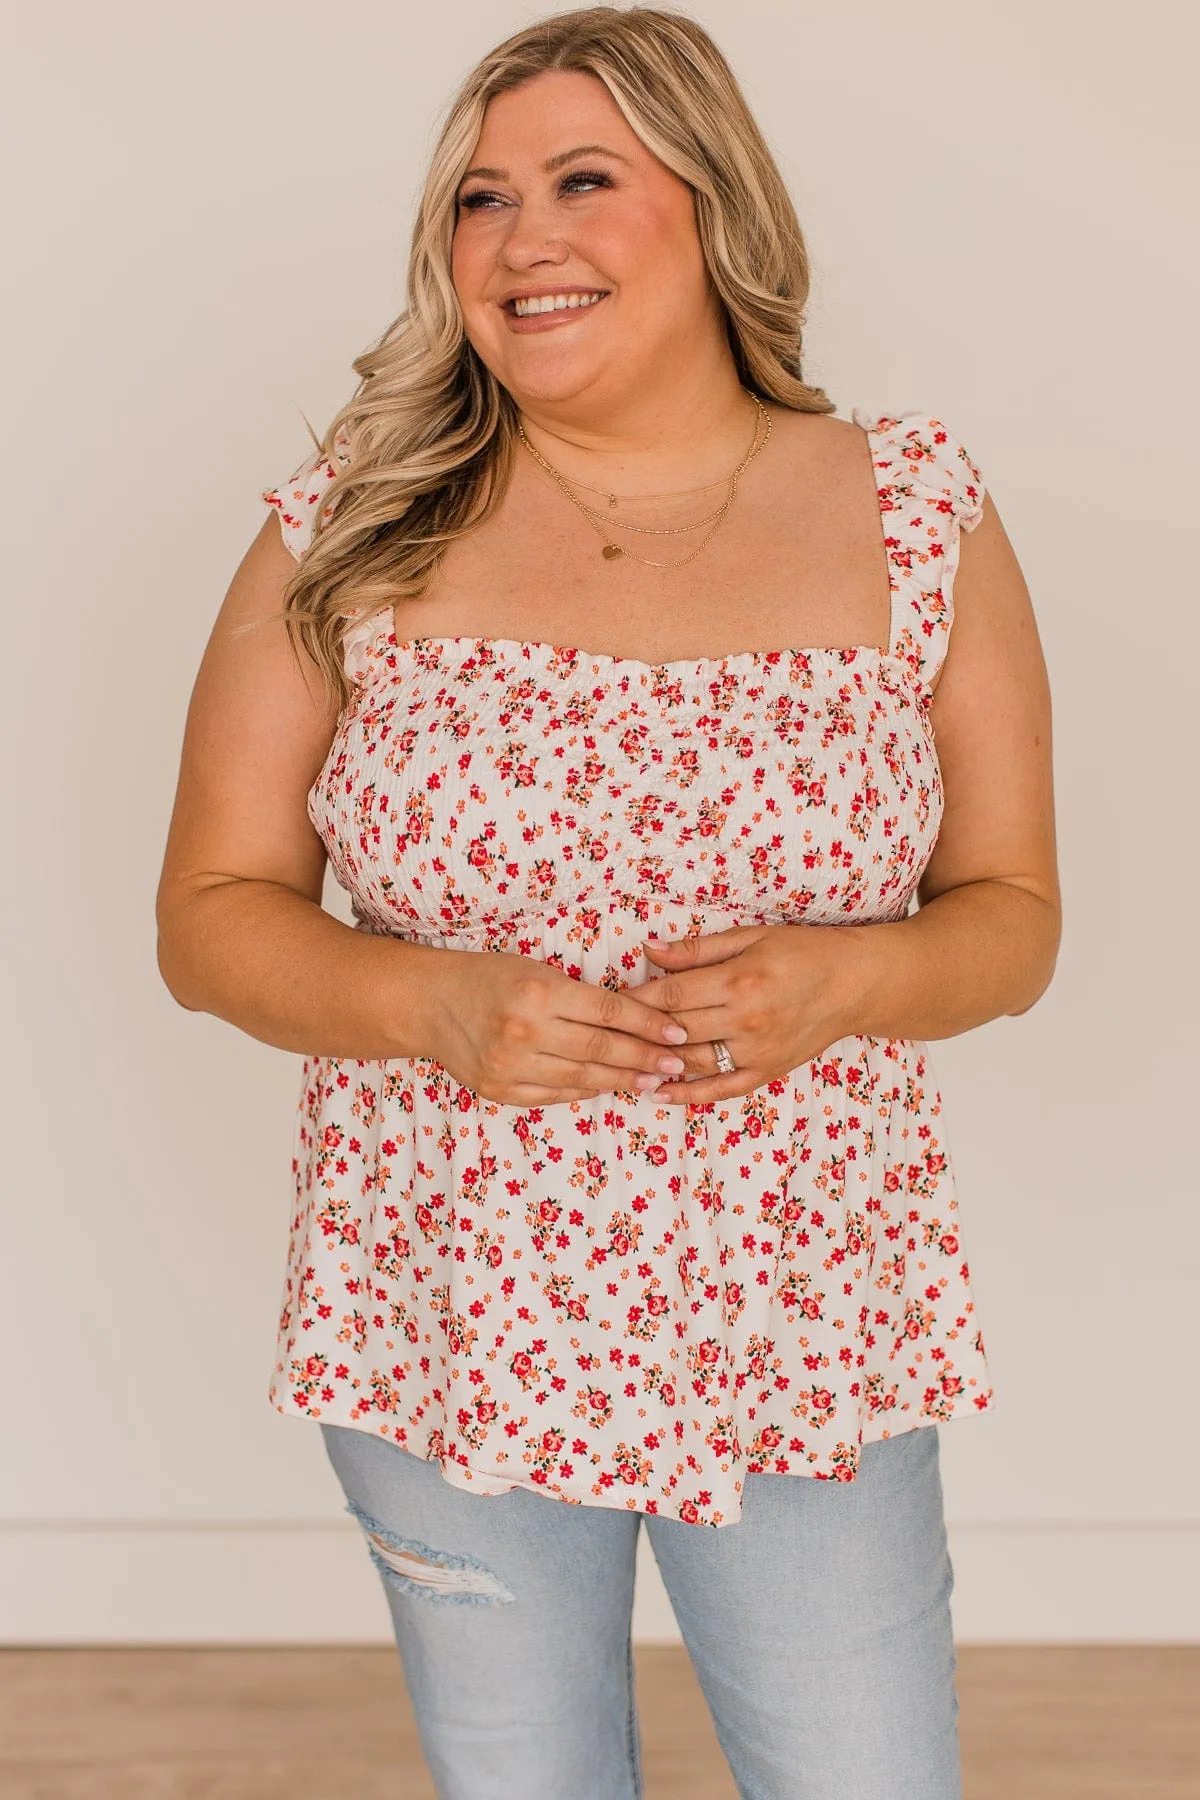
[(416, 1568)]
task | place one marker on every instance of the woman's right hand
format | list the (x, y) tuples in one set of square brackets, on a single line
[(521, 1032)]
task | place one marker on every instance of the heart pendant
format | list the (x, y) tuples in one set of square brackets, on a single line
[(611, 550)]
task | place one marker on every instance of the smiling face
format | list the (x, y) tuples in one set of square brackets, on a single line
[(576, 258)]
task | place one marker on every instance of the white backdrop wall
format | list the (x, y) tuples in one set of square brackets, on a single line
[(211, 220)]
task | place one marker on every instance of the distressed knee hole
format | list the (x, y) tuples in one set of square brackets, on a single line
[(417, 1568)]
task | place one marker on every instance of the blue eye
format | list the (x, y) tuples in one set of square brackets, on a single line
[(485, 198)]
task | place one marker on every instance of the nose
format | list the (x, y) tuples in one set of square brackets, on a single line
[(530, 240)]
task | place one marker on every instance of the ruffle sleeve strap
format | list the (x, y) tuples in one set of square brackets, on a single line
[(362, 644), (297, 501), (930, 492), (298, 498)]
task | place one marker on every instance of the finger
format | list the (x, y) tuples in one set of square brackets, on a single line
[(525, 1095), (564, 1076), (704, 1025), (595, 1045), (687, 991), (708, 1088), (707, 947), (700, 1058), (558, 1078), (605, 1076), (622, 1012), (699, 1054)]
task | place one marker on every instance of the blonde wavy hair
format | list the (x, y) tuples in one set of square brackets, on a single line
[(422, 450)]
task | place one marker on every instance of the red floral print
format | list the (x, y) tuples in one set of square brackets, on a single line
[(618, 1303)]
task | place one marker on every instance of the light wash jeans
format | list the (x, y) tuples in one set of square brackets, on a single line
[(818, 1626)]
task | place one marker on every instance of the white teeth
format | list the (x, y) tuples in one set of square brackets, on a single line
[(543, 303)]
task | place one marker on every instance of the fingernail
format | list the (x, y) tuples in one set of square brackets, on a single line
[(648, 1083), (675, 1034), (671, 1065)]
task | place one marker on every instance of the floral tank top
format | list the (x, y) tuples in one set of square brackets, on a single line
[(616, 1302)]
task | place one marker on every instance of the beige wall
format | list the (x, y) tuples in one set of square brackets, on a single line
[(212, 215)]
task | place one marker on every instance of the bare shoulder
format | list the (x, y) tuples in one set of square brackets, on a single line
[(990, 591), (820, 454), (257, 730), (814, 432), (994, 663)]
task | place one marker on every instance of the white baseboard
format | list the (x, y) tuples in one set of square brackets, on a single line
[(286, 1584)]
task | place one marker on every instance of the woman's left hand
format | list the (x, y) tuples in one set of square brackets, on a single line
[(776, 995)]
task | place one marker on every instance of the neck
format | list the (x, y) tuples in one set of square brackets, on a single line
[(686, 430)]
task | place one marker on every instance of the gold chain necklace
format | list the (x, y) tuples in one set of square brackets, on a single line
[(611, 551), (675, 494)]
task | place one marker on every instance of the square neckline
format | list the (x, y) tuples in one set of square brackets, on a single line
[(386, 636)]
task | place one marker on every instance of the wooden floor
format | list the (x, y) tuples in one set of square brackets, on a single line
[(1059, 1723)]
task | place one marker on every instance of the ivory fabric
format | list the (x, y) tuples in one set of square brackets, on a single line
[(618, 1302)]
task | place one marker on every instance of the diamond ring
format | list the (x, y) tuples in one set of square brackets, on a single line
[(725, 1062)]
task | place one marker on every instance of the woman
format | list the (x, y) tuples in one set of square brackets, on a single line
[(621, 1184)]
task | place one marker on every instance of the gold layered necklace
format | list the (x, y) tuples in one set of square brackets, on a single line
[(611, 551)]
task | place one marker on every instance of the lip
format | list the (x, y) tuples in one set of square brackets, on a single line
[(569, 315)]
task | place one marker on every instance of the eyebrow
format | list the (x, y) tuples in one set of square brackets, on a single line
[(552, 162)]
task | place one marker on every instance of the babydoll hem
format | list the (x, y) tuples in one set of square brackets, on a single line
[(684, 1508)]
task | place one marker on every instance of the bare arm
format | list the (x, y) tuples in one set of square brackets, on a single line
[(242, 933), (985, 937), (241, 930)]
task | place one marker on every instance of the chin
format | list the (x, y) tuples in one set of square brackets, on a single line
[(554, 376), (551, 384), (537, 368)]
